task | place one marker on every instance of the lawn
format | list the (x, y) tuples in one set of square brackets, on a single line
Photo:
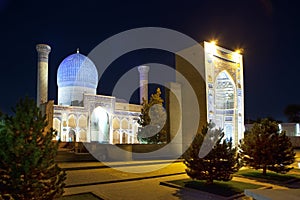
[(221, 188), (251, 173), (296, 170)]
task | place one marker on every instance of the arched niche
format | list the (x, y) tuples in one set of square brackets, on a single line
[(116, 124), (57, 125), (116, 137), (125, 138), (225, 100), (72, 135), (72, 121), (82, 121), (125, 124), (100, 125), (82, 135)]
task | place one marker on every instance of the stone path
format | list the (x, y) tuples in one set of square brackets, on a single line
[(110, 183)]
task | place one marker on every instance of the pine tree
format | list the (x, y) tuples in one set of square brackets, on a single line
[(27, 152), (265, 147), (219, 164), (152, 120)]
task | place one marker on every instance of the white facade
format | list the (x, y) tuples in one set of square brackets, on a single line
[(101, 120), (225, 90), (83, 116)]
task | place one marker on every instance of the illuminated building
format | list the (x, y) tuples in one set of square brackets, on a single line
[(217, 79), (83, 116)]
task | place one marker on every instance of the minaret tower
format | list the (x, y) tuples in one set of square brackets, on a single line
[(42, 77), (143, 70)]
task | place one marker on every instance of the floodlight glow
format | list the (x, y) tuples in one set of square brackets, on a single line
[(213, 42), (236, 56), (238, 51), (211, 47)]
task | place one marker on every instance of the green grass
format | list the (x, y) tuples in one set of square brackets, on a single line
[(83, 196), (221, 188), (257, 174), (296, 170)]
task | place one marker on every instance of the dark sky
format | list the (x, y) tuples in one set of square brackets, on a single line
[(267, 31)]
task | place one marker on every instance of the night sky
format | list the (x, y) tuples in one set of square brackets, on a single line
[(266, 30)]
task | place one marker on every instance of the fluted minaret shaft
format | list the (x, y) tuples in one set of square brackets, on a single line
[(42, 79), (143, 70)]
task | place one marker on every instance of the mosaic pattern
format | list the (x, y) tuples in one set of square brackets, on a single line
[(224, 85)]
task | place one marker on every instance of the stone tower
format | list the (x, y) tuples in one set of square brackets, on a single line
[(42, 79), (143, 70)]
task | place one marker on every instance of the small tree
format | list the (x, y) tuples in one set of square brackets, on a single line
[(219, 164), (265, 147), (27, 152), (152, 120)]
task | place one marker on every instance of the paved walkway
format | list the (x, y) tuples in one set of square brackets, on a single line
[(109, 183)]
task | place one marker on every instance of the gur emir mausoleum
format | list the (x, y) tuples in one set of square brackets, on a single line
[(82, 115)]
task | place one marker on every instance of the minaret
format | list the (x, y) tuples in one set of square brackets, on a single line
[(42, 76), (143, 70)]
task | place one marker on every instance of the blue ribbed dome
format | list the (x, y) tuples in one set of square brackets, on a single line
[(77, 70)]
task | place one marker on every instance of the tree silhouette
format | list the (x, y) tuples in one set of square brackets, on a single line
[(27, 152), (152, 120), (265, 147), (218, 164)]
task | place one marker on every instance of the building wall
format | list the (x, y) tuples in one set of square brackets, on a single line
[(190, 75), (203, 68), (73, 95), (87, 124)]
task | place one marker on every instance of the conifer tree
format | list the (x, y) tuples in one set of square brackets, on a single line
[(218, 164), (152, 120), (27, 152), (265, 147)]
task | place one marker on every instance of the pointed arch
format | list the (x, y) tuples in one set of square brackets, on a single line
[(124, 138), (72, 121), (57, 125), (124, 124), (225, 100), (82, 136), (82, 121), (100, 125), (116, 137), (116, 123)]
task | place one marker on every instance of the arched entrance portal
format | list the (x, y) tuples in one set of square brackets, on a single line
[(225, 104), (72, 136), (100, 125)]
